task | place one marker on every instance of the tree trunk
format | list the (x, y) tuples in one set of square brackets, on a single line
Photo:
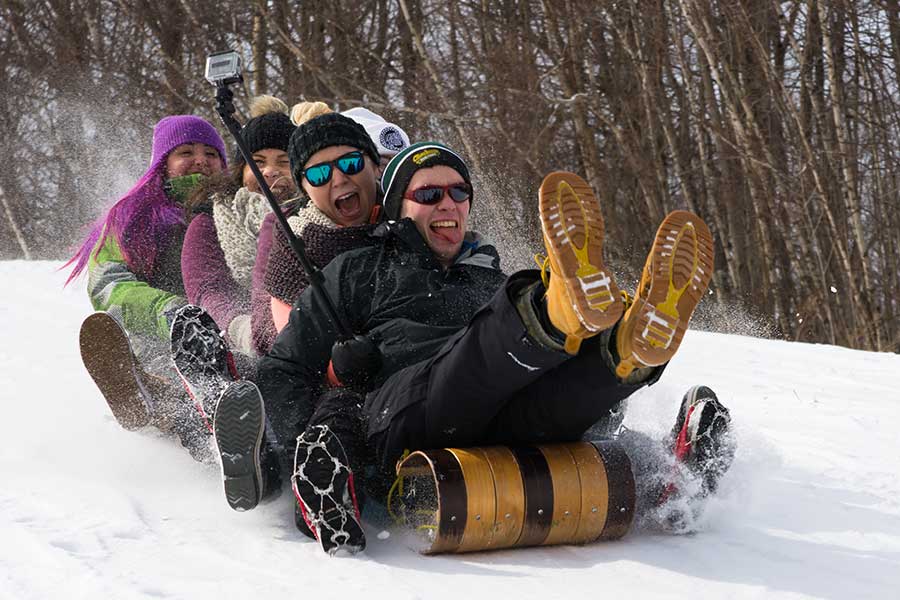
[(17, 231)]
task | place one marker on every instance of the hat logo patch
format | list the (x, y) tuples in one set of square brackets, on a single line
[(424, 155), (391, 139)]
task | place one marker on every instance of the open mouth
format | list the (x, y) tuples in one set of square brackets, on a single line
[(444, 225), (446, 229), (348, 204)]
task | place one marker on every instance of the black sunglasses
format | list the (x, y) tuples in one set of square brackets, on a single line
[(432, 194), (349, 164)]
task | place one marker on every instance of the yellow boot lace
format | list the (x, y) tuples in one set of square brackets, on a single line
[(543, 263)]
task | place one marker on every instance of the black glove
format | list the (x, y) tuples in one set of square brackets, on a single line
[(355, 362)]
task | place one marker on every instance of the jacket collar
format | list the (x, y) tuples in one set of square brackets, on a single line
[(474, 251)]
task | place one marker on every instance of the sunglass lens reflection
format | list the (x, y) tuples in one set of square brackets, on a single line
[(318, 175), (350, 164)]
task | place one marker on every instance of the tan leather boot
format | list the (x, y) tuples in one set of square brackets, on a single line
[(675, 278), (582, 297)]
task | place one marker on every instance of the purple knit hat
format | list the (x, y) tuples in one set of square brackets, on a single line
[(183, 129)]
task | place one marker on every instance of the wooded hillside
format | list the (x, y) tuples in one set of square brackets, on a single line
[(778, 122)]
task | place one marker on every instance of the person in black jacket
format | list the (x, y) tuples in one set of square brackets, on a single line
[(470, 356)]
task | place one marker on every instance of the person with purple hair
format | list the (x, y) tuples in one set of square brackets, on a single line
[(133, 259)]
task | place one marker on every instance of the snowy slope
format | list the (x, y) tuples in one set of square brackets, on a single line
[(87, 510)]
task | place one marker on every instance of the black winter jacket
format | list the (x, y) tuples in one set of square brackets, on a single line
[(397, 294)]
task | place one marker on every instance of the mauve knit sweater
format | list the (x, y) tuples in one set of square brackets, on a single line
[(208, 281)]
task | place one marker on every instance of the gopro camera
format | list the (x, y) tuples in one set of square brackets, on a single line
[(224, 68)]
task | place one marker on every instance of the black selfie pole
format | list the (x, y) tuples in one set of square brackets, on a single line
[(357, 352)]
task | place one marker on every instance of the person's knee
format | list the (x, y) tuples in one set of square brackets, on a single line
[(398, 438), (338, 406)]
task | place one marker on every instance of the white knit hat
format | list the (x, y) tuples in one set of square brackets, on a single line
[(388, 138)]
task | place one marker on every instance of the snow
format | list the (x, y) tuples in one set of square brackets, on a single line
[(811, 508)]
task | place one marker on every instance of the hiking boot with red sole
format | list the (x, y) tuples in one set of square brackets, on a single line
[(701, 436), (701, 440), (202, 359), (324, 488)]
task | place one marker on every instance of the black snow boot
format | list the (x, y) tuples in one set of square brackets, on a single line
[(323, 484), (202, 359), (108, 357), (701, 437), (249, 459), (701, 440)]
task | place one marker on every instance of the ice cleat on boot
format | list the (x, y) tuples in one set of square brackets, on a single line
[(323, 485), (675, 278), (582, 296), (702, 437), (201, 357), (238, 430), (107, 355)]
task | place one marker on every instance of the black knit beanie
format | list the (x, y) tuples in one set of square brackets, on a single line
[(271, 130), (331, 129), (399, 172)]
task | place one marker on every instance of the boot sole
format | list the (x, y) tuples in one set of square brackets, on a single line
[(342, 530), (573, 233), (700, 440), (238, 429), (681, 267), (107, 356), (346, 532), (203, 377)]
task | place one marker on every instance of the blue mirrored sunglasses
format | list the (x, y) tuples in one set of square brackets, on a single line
[(349, 164)]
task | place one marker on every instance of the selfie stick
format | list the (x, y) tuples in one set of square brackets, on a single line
[(225, 108)]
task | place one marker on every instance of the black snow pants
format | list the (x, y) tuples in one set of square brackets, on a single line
[(493, 383)]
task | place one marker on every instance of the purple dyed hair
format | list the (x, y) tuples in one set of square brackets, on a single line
[(144, 216)]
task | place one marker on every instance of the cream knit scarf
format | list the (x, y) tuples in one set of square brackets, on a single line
[(238, 220)]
